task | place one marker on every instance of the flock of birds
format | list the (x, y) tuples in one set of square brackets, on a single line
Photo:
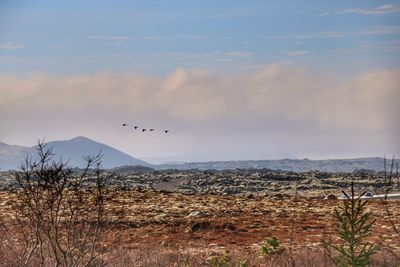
[(136, 128)]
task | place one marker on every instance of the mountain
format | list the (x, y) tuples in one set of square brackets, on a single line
[(3, 145), (11, 157), (72, 150)]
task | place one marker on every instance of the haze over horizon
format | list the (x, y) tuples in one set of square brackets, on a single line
[(177, 159), (232, 80)]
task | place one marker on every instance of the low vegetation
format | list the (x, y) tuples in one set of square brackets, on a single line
[(54, 216), (271, 246), (58, 215)]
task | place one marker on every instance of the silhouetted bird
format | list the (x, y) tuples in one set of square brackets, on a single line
[(143, 130), (151, 130), (135, 127), (124, 124), (166, 131)]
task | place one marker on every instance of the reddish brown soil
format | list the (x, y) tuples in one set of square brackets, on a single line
[(235, 223)]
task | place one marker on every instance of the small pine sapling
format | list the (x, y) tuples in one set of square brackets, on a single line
[(353, 225)]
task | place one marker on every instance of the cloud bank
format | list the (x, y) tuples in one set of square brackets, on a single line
[(276, 109)]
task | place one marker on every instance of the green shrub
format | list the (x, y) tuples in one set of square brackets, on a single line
[(271, 246), (186, 261), (243, 263), (227, 259), (223, 260)]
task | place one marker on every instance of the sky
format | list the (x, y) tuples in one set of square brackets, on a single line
[(230, 79)]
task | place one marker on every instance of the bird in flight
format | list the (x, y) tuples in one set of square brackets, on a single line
[(144, 129)]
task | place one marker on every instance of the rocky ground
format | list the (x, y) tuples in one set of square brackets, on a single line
[(266, 182), (235, 210), (214, 223), (235, 221), (237, 182)]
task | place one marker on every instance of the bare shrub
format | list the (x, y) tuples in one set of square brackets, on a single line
[(58, 215), (160, 256), (390, 213)]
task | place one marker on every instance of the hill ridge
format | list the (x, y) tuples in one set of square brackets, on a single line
[(72, 150)]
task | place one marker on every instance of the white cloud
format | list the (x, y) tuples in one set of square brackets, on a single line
[(152, 37), (239, 54), (381, 30), (290, 105), (289, 36), (324, 14), (109, 37), (388, 46), (377, 11), (198, 95), (381, 10), (302, 36), (7, 59), (10, 46), (189, 84), (331, 34), (297, 53)]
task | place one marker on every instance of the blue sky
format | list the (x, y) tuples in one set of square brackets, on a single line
[(160, 36), (231, 79)]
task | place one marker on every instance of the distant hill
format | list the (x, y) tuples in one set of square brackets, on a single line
[(11, 156), (296, 165), (3, 144), (72, 150), (132, 169)]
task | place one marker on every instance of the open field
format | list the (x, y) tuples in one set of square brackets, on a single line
[(204, 225)]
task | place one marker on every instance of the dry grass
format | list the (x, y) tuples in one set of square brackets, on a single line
[(165, 254), (155, 230), (161, 256)]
